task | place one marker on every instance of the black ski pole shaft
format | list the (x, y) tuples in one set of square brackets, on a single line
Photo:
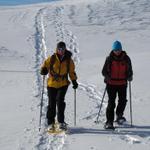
[(130, 95), (41, 104), (74, 107), (101, 105)]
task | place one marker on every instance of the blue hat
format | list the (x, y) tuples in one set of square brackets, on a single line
[(116, 46)]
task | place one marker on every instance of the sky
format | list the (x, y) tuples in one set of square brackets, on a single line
[(20, 2)]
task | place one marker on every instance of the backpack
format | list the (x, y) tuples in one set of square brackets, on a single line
[(111, 67), (118, 70)]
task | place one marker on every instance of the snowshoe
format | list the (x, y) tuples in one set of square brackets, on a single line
[(51, 127), (54, 129), (109, 126), (63, 126), (120, 120)]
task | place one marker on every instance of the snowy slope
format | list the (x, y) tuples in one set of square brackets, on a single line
[(30, 33)]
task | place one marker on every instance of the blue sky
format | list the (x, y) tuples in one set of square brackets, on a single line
[(19, 2)]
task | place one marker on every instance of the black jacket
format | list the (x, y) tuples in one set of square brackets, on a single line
[(106, 71)]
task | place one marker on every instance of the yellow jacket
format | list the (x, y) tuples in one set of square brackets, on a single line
[(61, 69)]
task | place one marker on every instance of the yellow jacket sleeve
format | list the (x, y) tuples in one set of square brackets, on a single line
[(72, 73), (46, 63)]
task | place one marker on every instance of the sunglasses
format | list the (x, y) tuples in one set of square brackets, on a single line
[(61, 49)]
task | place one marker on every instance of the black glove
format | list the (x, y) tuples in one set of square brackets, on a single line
[(130, 78), (44, 71), (75, 84)]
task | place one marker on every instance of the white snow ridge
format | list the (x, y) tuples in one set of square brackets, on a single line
[(30, 33)]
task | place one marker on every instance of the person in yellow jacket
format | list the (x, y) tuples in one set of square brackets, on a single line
[(58, 67)]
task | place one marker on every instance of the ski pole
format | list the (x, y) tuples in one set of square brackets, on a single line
[(41, 104), (130, 102), (100, 106), (74, 107)]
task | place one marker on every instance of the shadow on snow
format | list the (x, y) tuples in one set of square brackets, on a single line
[(142, 131)]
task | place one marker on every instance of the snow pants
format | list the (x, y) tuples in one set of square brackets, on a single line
[(113, 91), (56, 98)]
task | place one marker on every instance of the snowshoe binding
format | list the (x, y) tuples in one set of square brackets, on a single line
[(54, 129), (109, 126), (63, 126), (51, 127), (120, 120)]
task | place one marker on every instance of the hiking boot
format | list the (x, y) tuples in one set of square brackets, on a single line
[(63, 126), (121, 120), (51, 126), (109, 125)]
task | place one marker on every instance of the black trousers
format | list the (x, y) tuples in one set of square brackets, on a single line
[(56, 101), (113, 91)]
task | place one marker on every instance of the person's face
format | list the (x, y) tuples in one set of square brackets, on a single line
[(61, 51), (117, 52)]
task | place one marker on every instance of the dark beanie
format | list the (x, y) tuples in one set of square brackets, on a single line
[(61, 45)]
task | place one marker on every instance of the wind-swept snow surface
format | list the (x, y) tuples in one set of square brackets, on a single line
[(30, 33)]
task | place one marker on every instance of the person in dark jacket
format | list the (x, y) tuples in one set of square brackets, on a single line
[(58, 67), (117, 70)]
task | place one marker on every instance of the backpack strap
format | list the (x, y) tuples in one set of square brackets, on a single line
[(53, 73), (68, 64), (52, 61)]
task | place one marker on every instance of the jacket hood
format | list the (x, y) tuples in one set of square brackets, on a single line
[(122, 55), (68, 54)]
